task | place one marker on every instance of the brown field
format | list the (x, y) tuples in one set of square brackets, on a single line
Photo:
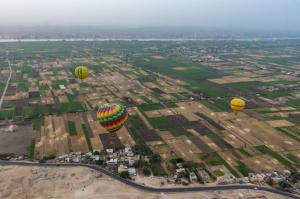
[(232, 79), (262, 162), (54, 139), (253, 132), (182, 146), (125, 137), (63, 99), (157, 57), (15, 142), (164, 150), (280, 123)]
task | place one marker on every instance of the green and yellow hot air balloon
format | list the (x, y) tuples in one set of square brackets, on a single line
[(81, 72), (237, 105), (112, 116)]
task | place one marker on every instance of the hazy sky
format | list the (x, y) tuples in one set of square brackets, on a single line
[(273, 14)]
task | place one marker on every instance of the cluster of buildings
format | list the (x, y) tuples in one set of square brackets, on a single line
[(122, 160), (274, 177), (183, 176), (206, 58), (291, 73)]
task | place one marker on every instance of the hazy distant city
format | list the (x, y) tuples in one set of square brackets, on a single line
[(93, 32)]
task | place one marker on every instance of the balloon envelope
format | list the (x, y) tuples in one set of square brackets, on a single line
[(81, 72), (112, 116), (237, 105)]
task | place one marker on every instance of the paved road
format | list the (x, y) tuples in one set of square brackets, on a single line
[(6, 86), (156, 190)]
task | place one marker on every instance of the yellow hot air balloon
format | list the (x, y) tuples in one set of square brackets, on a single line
[(81, 72), (237, 105)]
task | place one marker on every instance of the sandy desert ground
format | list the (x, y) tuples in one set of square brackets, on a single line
[(72, 183)]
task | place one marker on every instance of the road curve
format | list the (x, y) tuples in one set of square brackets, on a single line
[(152, 189), (6, 86)]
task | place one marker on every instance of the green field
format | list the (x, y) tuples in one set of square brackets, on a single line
[(294, 103), (135, 136), (156, 106), (243, 169), (294, 158), (37, 123), (179, 132), (216, 139), (23, 86), (286, 133), (88, 141), (32, 149), (212, 159), (6, 113), (69, 107), (194, 74), (218, 173), (84, 84), (34, 110), (215, 159), (218, 105), (72, 128), (244, 152), (158, 122), (26, 69)]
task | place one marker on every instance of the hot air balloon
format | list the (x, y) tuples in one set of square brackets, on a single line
[(112, 116), (237, 105), (81, 72)]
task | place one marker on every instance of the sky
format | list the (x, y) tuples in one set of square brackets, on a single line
[(250, 14)]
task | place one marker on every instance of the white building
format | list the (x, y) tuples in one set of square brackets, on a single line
[(62, 87), (132, 172), (110, 151), (122, 168), (112, 162), (193, 177)]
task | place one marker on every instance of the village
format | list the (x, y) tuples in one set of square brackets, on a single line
[(125, 163)]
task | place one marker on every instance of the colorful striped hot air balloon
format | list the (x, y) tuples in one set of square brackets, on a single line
[(112, 116), (81, 72), (237, 105)]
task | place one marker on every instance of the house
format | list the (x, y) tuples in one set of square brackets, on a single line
[(132, 172), (89, 154), (96, 157), (109, 151), (127, 149), (179, 165), (193, 177), (76, 159), (130, 154), (122, 168), (184, 181), (131, 162), (112, 162), (181, 170), (62, 157), (286, 173)]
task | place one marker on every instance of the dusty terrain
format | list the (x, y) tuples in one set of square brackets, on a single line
[(15, 142), (37, 183)]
